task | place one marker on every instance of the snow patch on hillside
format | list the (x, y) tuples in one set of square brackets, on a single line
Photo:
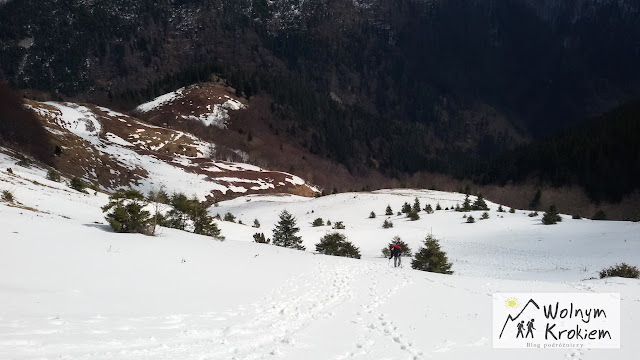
[(160, 101), (218, 114)]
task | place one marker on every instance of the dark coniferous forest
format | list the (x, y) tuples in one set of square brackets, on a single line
[(492, 91)]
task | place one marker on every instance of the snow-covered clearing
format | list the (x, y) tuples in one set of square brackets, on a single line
[(70, 288)]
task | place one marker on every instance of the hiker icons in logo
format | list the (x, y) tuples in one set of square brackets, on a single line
[(547, 320), (530, 329)]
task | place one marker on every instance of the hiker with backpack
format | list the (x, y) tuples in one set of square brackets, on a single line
[(395, 251)]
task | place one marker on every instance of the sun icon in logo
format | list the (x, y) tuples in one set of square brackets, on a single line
[(512, 303)]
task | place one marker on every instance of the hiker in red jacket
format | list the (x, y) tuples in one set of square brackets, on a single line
[(395, 251)]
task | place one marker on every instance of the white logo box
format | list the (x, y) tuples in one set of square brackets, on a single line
[(556, 320)]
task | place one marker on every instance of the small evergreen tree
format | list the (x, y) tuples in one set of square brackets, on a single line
[(338, 225), (284, 234), (551, 216), (535, 202), (406, 208), (53, 175), (500, 209), (512, 211), (125, 214), (372, 215), (413, 216), (328, 222), (470, 219), (256, 223), (387, 224), (485, 216), (259, 238), (457, 208), (428, 209), (416, 206), (77, 184), (337, 244), (158, 202), (7, 196), (203, 224), (159, 196), (317, 222), (533, 214), (480, 204), (600, 215), (576, 217), (431, 258), (229, 217), (438, 207), (178, 216), (466, 205), (388, 211)]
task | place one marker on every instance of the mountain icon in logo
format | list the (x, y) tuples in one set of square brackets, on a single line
[(511, 318)]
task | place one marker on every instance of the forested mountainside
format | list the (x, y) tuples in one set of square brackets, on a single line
[(602, 155), (394, 85)]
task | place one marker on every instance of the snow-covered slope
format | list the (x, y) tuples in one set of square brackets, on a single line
[(70, 288), (509, 246), (114, 150)]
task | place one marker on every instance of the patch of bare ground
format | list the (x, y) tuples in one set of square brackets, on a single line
[(24, 207)]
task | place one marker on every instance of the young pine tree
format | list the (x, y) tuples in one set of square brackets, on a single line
[(337, 244), (388, 211), (229, 217), (466, 206), (203, 223), (406, 208), (284, 234), (416, 206), (535, 202), (125, 214), (431, 258), (599, 215), (178, 216), (77, 184), (551, 216), (259, 238), (480, 204)]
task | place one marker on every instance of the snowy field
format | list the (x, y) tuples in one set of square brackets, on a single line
[(70, 288)]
